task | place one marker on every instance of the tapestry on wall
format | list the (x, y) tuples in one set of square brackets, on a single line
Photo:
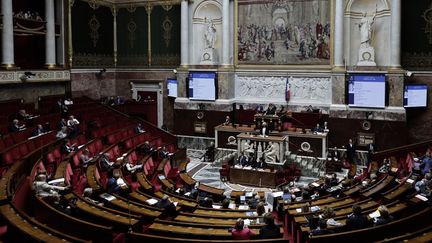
[(283, 32)]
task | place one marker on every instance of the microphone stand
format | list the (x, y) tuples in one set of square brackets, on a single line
[(129, 216)]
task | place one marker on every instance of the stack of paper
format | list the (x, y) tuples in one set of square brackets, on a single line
[(151, 201), (375, 214)]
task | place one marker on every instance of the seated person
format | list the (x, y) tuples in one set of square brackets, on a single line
[(72, 124), (43, 189), (271, 152), (384, 217), (271, 109), (39, 130), (241, 232), (210, 152), (105, 162), (260, 209), (85, 158), (146, 148), (63, 133), (207, 203), (317, 129), (261, 164), (16, 126), (67, 147), (225, 203), (131, 168), (163, 153), (22, 115), (88, 195), (139, 129), (242, 160), (426, 162), (322, 228), (227, 121), (168, 206), (254, 202), (356, 220), (62, 123), (270, 230), (112, 185), (421, 185)]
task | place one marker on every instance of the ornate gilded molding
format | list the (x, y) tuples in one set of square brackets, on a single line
[(166, 60), (418, 61), (132, 60), (131, 8), (93, 4), (131, 29), (40, 76), (167, 27), (427, 16), (94, 25)]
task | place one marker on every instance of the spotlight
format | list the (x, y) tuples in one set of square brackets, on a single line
[(408, 73), (101, 72)]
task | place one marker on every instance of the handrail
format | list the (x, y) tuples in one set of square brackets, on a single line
[(378, 156)]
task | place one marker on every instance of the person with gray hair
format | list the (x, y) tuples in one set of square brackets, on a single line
[(43, 189)]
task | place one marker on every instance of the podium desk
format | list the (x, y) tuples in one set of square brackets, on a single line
[(253, 177), (316, 142), (273, 121)]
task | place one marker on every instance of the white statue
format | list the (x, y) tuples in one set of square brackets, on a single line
[(270, 152), (365, 26), (210, 35), (366, 51)]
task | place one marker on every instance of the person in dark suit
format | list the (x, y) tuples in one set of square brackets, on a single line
[(356, 220), (139, 129), (271, 110), (168, 206), (384, 217), (261, 164), (334, 154), (322, 228), (371, 150), (242, 159), (38, 131), (163, 153), (317, 129), (351, 152), (146, 148), (15, 126), (270, 230)]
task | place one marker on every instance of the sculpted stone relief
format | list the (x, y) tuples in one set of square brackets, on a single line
[(303, 89)]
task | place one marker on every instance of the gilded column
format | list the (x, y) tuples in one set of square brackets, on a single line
[(114, 13), (8, 58), (395, 44), (70, 49), (225, 32), (184, 41), (338, 38), (50, 46), (149, 10)]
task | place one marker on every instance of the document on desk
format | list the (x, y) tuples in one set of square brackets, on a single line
[(151, 201), (243, 207), (107, 196), (56, 181)]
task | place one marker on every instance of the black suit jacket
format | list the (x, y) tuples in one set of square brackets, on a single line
[(351, 152)]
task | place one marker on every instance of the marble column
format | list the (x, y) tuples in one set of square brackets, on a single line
[(184, 41), (7, 34), (395, 44), (338, 38), (225, 32), (50, 45)]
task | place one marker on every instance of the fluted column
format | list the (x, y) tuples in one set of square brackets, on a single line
[(395, 34), (225, 32), (338, 39), (184, 41), (50, 46), (8, 60)]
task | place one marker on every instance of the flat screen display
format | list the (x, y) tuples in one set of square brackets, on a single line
[(415, 95), (367, 90), (172, 87), (202, 86)]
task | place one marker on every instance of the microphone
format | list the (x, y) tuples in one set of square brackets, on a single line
[(129, 216)]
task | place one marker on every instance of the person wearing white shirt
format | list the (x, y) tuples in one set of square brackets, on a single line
[(72, 124), (43, 189), (62, 133), (131, 168)]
